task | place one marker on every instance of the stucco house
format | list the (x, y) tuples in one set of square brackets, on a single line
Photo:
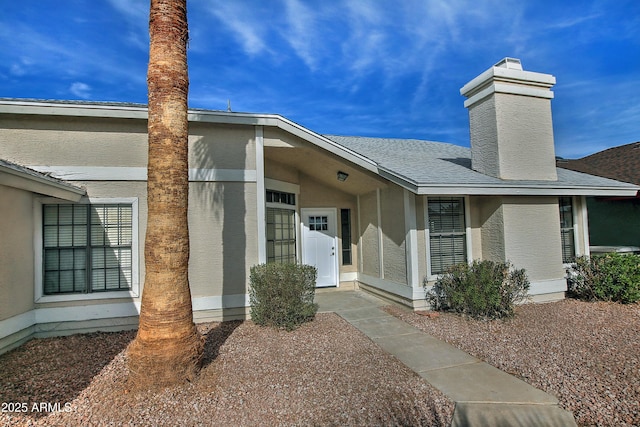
[(378, 214), (614, 222)]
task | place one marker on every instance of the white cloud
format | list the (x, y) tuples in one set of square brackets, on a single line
[(247, 28), (135, 11), (301, 32), (81, 90)]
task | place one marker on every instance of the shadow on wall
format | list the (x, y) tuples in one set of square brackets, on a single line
[(218, 238)]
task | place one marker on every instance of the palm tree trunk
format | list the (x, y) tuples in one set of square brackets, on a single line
[(168, 348)]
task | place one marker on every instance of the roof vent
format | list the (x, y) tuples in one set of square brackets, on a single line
[(510, 63)]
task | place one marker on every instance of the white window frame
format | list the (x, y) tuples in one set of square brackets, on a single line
[(285, 187), (134, 292), (467, 224), (575, 219)]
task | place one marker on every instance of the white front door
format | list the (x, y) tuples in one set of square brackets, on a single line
[(320, 244)]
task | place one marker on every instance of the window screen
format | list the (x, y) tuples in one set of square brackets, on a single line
[(566, 230), (87, 248), (447, 233), (281, 235)]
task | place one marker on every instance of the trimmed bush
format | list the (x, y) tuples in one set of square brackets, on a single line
[(281, 295), (608, 277), (482, 289)]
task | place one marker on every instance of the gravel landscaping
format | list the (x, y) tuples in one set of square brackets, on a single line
[(328, 373), (324, 373), (586, 354)]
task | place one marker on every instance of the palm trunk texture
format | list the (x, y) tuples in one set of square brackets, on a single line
[(168, 348)]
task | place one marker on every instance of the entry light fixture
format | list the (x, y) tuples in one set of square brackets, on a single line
[(342, 176)]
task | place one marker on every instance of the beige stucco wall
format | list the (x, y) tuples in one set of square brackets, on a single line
[(421, 234), (369, 234), (523, 230), (483, 128), (532, 236), (68, 141), (525, 132), (491, 221), (281, 172), (16, 252), (512, 137), (218, 146), (223, 237), (393, 234), (475, 223)]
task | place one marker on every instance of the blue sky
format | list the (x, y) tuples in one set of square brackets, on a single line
[(387, 68)]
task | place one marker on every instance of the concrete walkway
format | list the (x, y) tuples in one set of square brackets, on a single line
[(483, 394)]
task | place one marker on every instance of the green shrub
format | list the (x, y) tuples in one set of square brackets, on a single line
[(482, 289), (281, 295), (609, 277)]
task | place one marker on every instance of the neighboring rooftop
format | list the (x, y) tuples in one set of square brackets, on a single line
[(621, 163)]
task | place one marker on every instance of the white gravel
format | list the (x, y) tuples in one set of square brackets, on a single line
[(324, 373), (586, 354)]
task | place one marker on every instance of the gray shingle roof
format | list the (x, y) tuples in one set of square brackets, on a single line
[(436, 164)]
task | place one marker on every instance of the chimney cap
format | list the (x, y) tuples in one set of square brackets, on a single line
[(510, 63)]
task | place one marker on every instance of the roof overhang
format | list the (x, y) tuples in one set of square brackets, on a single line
[(514, 188), (37, 183)]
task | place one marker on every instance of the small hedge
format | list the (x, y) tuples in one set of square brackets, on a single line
[(482, 289), (610, 277), (281, 295)]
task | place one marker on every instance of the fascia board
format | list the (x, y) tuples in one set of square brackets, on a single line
[(73, 110), (481, 190), (40, 185)]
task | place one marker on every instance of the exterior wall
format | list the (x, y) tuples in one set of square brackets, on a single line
[(484, 131), (512, 137), (222, 221), (281, 172), (421, 238), (368, 219), (532, 237), (475, 222), (393, 229), (223, 237), (218, 146), (16, 252), (510, 123), (66, 141), (526, 232), (525, 135), (492, 228)]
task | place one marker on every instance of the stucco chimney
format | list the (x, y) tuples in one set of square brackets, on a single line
[(510, 122)]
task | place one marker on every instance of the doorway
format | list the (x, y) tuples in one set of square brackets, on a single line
[(320, 244)]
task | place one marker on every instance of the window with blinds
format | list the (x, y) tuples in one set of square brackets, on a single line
[(447, 232), (87, 248), (566, 230), (281, 235)]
